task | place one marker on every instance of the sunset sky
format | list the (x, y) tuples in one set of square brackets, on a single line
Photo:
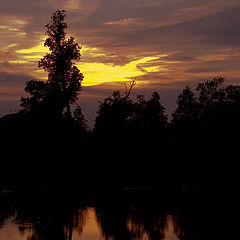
[(163, 44)]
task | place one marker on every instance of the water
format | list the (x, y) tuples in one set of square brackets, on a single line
[(91, 229), (125, 215)]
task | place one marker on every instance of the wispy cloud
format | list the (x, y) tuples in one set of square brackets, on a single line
[(126, 22), (162, 43)]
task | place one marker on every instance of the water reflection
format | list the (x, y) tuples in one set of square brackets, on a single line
[(12, 229), (111, 218)]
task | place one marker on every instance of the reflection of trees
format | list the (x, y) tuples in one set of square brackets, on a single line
[(156, 219), (47, 220), (125, 220), (6, 211), (143, 223), (201, 220), (126, 217), (58, 224), (112, 221)]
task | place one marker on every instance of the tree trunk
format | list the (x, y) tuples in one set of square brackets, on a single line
[(69, 115)]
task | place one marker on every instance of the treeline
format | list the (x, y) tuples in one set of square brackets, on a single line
[(203, 130), (46, 115), (213, 106), (132, 142)]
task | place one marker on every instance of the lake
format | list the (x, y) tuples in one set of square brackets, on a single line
[(127, 214)]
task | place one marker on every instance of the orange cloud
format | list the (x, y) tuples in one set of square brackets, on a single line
[(126, 22)]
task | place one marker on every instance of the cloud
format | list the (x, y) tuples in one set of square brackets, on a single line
[(99, 73), (72, 5), (166, 44), (126, 22), (12, 86), (13, 80)]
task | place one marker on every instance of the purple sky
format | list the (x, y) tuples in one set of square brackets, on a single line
[(163, 44)]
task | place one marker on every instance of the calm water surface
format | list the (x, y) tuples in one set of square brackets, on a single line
[(113, 217), (12, 230)]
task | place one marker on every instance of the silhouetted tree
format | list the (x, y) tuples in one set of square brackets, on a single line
[(79, 118), (187, 111), (218, 104), (114, 114), (207, 106), (210, 93), (38, 91), (149, 115), (121, 116), (230, 107), (51, 220), (232, 93), (64, 78), (129, 87)]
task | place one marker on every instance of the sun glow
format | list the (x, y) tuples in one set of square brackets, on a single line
[(94, 71), (34, 51), (100, 73)]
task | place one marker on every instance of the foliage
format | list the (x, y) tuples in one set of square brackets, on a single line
[(119, 114), (38, 91), (210, 93), (79, 118), (232, 93), (187, 111), (216, 105), (64, 78), (149, 115), (114, 113)]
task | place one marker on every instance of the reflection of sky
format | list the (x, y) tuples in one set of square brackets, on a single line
[(9, 231), (91, 230), (165, 44)]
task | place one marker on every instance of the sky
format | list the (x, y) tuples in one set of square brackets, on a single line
[(163, 44)]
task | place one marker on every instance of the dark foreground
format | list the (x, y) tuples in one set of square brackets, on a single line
[(129, 213), (30, 167), (147, 191)]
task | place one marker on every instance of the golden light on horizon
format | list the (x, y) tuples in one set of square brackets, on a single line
[(37, 51), (100, 73), (95, 72)]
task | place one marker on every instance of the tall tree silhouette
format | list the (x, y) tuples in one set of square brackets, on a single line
[(79, 118), (115, 112), (64, 78), (210, 93), (150, 115), (219, 105), (187, 111)]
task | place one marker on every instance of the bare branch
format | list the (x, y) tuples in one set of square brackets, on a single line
[(129, 87)]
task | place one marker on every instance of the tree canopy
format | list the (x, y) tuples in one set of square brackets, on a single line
[(64, 78), (212, 105), (187, 110), (121, 116)]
